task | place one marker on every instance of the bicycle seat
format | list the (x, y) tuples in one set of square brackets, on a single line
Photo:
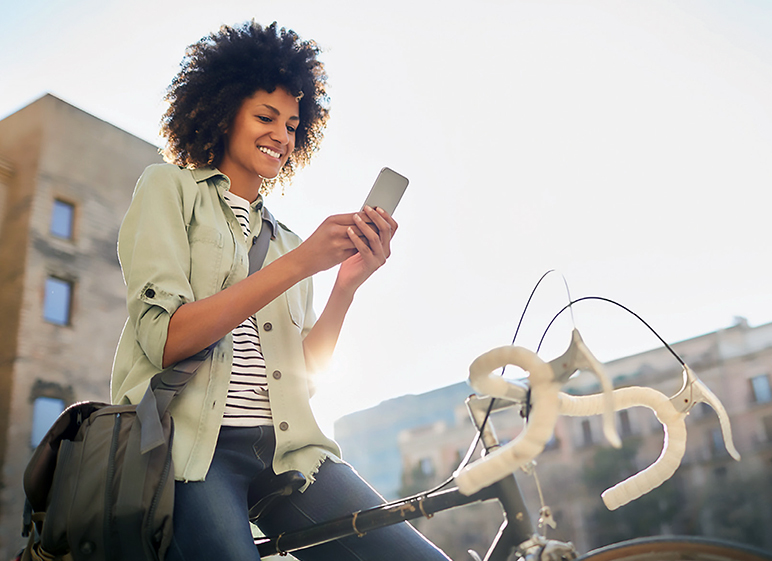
[(266, 487)]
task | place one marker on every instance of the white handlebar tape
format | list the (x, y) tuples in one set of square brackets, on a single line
[(541, 420), (672, 452)]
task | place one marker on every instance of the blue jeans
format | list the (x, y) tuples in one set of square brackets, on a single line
[(211, 521)]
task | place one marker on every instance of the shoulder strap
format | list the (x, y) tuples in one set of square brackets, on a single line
[(260, 243)]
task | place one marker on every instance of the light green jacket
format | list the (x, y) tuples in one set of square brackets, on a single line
[(180, 242)]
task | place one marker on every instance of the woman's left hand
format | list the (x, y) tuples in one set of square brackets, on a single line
[(373, 244)]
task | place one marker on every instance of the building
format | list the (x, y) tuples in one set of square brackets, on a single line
[(369, 438), (66, 179), (710, 494)]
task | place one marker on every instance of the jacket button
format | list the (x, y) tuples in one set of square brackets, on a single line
[(150, 293), (267, 326), (276, 375), (284, 425)]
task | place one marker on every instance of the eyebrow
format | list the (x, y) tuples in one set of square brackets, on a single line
[(275, 111)]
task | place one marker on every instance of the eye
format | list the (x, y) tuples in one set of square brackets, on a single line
[(263, 118), (291, 128)]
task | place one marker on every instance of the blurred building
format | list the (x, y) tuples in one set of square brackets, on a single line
[(369, 438), (66, 179), (709, 495)]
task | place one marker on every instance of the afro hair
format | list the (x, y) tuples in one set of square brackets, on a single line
[(222, 70)]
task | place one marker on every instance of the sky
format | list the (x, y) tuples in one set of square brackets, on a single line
[(624, 145)]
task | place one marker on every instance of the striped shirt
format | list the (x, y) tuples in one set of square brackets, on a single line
[(247, 403)]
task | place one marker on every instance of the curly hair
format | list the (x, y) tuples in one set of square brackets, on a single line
[(223, 69)]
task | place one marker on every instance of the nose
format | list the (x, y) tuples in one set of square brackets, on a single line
[(279, 133)]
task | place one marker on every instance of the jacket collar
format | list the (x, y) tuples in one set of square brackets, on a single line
[(202, 174), (205, 173)]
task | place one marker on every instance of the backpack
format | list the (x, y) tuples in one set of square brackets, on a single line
[(100, 485)]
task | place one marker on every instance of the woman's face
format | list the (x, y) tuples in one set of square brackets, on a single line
[(261, 137)]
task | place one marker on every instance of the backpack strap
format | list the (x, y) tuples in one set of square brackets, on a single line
[(260, 242), (165, 385)]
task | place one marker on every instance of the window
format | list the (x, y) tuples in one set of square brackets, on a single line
[(625, 428), (62, 216), (767, 427), (762, 392), (426, 466), (717, 446), (586, 432), (45, 410), (57, 301)]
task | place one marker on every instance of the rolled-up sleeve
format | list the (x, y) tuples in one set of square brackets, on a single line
[(155, 258)]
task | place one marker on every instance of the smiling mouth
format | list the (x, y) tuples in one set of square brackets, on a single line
[(269, 152)]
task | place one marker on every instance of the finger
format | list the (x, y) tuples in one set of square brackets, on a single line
[(358, 232), (345, 219), (378, 217), (386, 216), (359, 243), (372, 252), (386, 225), (367, 228)]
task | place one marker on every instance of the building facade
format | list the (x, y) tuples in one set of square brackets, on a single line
[(66, 179), (710, 494), (369, 438)]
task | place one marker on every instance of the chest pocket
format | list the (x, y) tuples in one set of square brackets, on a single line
[(296, 303), (206, 256)]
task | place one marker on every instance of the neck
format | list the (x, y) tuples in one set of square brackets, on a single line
[(246, 186)]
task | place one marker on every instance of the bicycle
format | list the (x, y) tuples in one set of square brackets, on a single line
[(541, 401)]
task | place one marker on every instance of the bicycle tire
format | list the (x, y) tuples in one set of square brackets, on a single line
[(676, 548)]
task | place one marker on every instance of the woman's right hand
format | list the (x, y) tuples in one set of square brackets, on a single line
[(330, 244)]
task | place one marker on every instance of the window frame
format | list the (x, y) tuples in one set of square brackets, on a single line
[(50, 390), (46, 415), (53, 227), (765, 394), (49, 312)]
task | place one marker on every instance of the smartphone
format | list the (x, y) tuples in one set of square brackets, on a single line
[(387, 190)]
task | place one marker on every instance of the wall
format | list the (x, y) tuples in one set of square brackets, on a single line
[(57, 151)]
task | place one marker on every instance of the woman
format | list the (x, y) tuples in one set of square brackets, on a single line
[(246, 109)]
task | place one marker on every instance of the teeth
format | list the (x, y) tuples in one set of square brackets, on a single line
[(270, 152)]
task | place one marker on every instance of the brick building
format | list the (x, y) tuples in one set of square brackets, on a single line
[(66, 179)]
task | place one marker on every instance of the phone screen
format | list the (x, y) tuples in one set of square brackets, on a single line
[(387, 190)]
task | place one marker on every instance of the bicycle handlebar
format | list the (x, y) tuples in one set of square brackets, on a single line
[(541, 420), (673, 449), (547, 402)]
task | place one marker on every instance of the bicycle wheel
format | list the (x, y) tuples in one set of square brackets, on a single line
[(677, 548)]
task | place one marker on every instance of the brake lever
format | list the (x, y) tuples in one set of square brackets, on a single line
[(579, 357), (695, 391)]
